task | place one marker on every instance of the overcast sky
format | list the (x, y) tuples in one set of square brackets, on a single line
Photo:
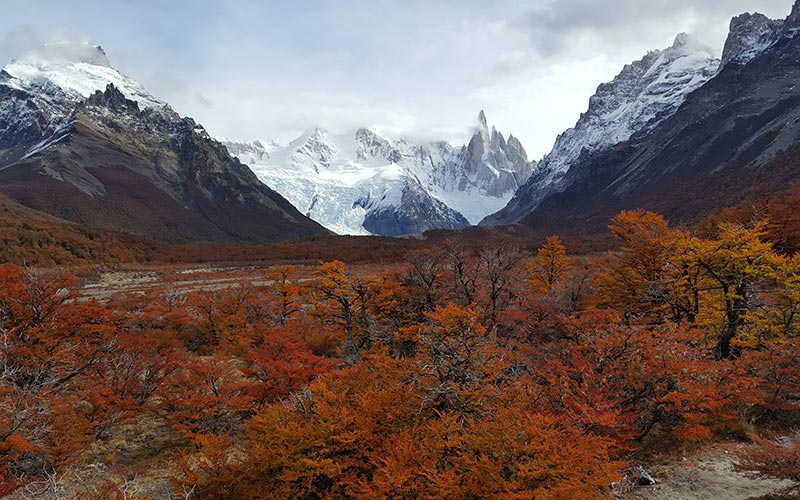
[(273, 68)]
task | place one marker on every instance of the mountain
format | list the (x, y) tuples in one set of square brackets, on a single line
[(644, 94), (362, 183), (749, 36), (734, 139), (80, 141)]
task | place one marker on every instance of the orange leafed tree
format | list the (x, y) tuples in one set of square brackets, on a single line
[(550, 266)]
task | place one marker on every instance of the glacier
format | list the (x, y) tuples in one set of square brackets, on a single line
[(341, 180)]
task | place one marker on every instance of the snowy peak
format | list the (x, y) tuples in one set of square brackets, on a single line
[(87, 138), (370, 145), (734, 137), (314, 149), (71, 72), (750, 34), (481, 137), (686, 44), (641, 96), (516, 146), (250, 152), (490, 164)]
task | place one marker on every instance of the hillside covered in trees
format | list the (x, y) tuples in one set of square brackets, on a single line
[(461, 371)]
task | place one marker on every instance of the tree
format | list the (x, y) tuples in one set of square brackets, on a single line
[(550, 266), (348, 305), (50, 347), (282, 364), (288, 293), (464, 269), (360, 433), (498, 261), (651, 280), (426, 271), (206, 396), (458, 361), (778, 459), (787, 297), (735, 261)]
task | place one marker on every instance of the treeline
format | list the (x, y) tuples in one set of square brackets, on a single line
[(459, 372)]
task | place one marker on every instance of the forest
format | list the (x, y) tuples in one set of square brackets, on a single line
[(460, 370)]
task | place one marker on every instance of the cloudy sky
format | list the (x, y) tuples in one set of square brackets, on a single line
[(272, 68)]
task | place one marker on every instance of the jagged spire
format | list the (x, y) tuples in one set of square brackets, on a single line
[(482, 119), (112, 98), (793, 21)]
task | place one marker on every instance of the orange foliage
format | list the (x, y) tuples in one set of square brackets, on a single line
[(452, 374)]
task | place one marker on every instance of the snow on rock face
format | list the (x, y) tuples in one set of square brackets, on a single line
[(74, 71), (40, 91), (251, 152), (362, 183), (407, 208), (749, 36), (640, 97)]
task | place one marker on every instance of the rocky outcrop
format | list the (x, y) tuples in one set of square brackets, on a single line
[(112, 99), (749, 35), (415, 213), (490, 163), (793, 21)]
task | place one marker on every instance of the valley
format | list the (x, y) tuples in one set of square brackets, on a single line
[(385, 297)]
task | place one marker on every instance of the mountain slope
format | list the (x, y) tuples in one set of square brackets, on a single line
[(362, 183), (735, 138), (118, 158), (644, 94)]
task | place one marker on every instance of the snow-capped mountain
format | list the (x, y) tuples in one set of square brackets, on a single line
[(644, 94), (40, 90), (733, 141), (346, 181), (71, 72), (81, 141), (362, 183)]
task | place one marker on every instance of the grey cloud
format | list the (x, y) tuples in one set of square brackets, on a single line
[(571, 25), (512, 63)]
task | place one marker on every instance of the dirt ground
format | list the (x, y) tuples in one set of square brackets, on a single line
[(705, 475)]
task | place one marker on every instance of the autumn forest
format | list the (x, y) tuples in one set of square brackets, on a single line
[(462, 371)]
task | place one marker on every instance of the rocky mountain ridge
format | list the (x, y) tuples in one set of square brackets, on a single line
[(83, 142), (734, 139), (641, 96)]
